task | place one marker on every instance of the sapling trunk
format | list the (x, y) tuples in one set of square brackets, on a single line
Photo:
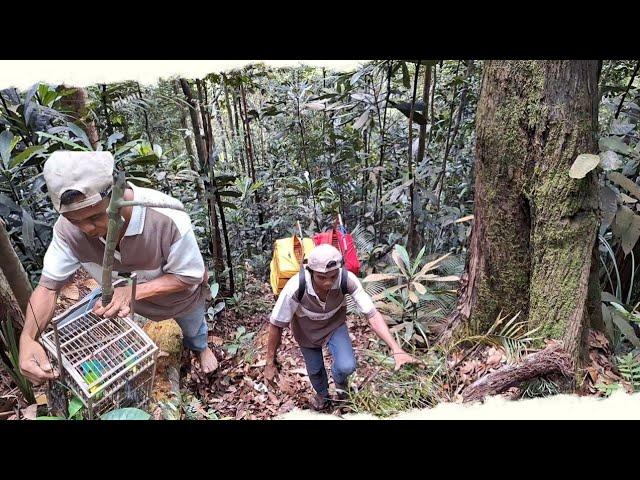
[(115, 225)]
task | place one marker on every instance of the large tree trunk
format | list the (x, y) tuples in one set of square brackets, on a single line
[(216, 248), (233, 128), (211, 146), (13, 270), (76, 106), (146, 116), (412, 237), (9, 307), (532, 244), (188, 143)]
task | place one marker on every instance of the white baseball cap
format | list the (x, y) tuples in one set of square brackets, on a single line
[(324, 258), (90, 173)]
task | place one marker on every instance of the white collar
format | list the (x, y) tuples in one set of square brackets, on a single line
[(136, 222)]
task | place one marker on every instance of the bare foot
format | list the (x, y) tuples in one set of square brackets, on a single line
[(208, 361)]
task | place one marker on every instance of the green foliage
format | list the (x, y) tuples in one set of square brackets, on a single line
[(241, 341), (629, 368), (10, 360), (409, 292), (619, 154), (126, 414), (75, 410)]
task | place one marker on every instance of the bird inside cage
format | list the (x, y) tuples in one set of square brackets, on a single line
[(132, 395)]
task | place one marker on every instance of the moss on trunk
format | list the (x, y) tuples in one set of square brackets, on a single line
[(535, 227)]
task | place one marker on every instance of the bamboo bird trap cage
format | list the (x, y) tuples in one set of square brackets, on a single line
[(107, 363)]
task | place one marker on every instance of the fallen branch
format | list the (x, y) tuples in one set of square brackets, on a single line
[(551, 359)]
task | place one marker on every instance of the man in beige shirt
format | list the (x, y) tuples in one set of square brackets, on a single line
[(316, 310), (156, 243)]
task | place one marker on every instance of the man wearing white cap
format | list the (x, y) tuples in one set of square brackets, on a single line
[(158, 244), (316, 310)]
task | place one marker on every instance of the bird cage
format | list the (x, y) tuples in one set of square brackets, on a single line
[(107, 363)]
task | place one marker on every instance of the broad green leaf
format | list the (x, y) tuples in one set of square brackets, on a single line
[(113, 139), (626, 329), (406, 80), (75, 405), (404, 255), (126, 414), (50, 418), (362, 119), (607, 297), (399, 262), (430, 266), (64, 141), (214, 290), (608, 205), (627, 228), (7, 142), (7, 202), (435, 278), (421, 289), (315, 106), (615, 144), (413, 297), (127, 146), (229, 193), (624, 182), (583, 164), (377, 277), (26, 154), (610, 160), (157, 149), (607, 318), (27, 229), (416, 263), (81, 134), (151, 159), (389, 290), (218, 308)]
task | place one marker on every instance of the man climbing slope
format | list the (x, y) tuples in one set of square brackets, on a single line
[(317, 313), (156, 243)]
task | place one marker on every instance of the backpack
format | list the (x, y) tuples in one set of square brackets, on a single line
[(343, 241), (287, 260)]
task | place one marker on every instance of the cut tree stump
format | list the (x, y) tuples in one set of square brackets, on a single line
[(165, 397)]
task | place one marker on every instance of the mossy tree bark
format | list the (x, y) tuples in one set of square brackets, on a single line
[(535, 228), (9, 307), (13, 270), (165, 396)]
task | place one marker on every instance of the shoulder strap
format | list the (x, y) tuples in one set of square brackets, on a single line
[(302, 283), (343, 279)]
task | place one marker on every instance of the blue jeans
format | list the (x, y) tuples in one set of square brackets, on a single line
[(194, 328), (344, 361)]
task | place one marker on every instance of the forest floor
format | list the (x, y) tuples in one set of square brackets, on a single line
[(238, 390)]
